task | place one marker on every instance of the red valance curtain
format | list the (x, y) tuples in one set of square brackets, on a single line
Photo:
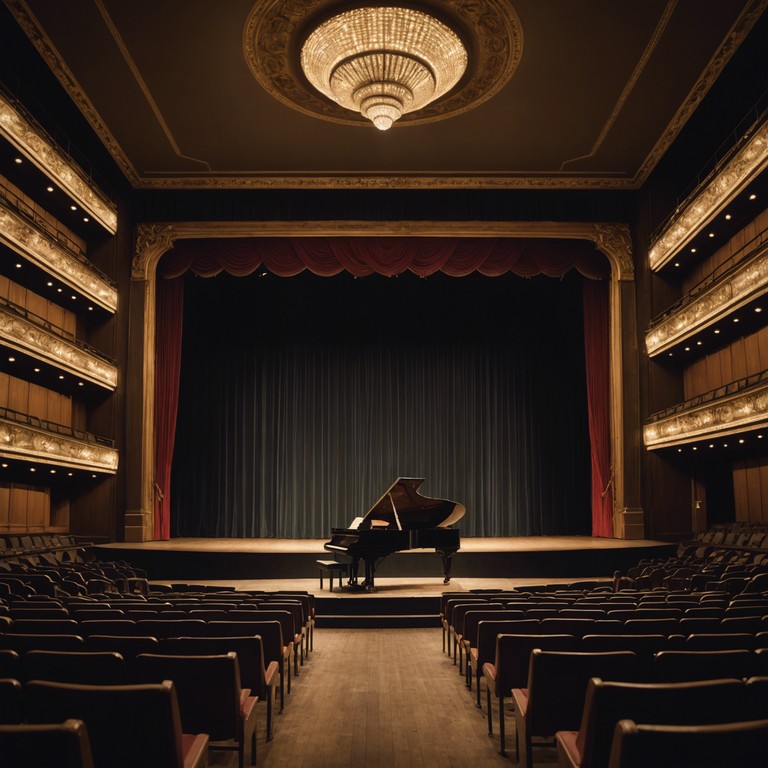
[(362, 256)]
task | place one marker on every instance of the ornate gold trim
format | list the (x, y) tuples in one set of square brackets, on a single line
[(25, 336), (274, 32), (747, 282), (43, 251), (58, 167), (729, 415), (738, 172), (153, 240), (19, 441)]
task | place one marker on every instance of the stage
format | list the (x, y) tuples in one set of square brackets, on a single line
[(291, 563)]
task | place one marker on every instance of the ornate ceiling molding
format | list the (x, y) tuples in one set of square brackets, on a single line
[(42, 250), (20, 441), (745, 165), (152, 241), (25, 336), (275, 30), (747, 282), (725, 416), (738, 33), (35, 146)]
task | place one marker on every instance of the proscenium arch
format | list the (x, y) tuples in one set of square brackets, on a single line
[(153, 240)]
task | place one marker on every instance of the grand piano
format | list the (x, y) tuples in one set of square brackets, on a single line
[(401, 519)]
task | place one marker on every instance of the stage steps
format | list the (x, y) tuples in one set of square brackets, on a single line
[(361, 611)]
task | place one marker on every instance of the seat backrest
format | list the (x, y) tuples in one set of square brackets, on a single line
[(11, 701), (65, 745), (30, 642), (701, 702), (89, 667), (208, 689), (557, 684), (249, 650), (689, 746), (44, 627), (721, 641), (10, 664), (489, 629), (121, 627), (677, 666), (128, 725), (170, 627), (563, 625), (491, 612), (659, 626), (512, 657), (285, 619)]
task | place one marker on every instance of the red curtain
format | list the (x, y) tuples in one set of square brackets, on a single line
[(168, 331), (362, 256), (596, 351)]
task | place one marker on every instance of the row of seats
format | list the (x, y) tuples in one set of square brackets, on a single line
[(523, 645)]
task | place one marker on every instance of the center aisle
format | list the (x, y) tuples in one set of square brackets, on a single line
[(381, 698)]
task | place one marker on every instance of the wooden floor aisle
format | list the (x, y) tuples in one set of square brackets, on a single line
[(381, 698)]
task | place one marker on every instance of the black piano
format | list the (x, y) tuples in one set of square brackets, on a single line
[(401, 519)]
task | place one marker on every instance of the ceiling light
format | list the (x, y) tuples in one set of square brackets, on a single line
[(383, 62), (728, 217), (753, 197), (17, 160), (758, 309), (49, 189)]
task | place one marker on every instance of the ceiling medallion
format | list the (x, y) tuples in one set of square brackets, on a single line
[(357, 63)]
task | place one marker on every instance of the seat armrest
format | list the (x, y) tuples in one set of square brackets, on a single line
[(195, 748)]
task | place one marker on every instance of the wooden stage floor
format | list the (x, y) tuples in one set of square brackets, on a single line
[(481, 563)]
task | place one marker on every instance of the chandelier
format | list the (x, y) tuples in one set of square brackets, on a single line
[(383, 62)]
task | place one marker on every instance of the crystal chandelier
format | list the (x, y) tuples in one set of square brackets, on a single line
[(383, 62)]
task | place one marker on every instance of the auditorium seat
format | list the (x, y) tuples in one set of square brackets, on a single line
[(487, 632), (11, 664), (472, 619), (275, 649), (694, 746), (553, 697), (720, 641), (607, 702), (128, 725), (65, 745), (260, 676), (211, 699), (510, 668), (44, 627), (643, 646)]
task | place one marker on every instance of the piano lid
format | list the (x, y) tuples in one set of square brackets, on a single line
[(401, 506)]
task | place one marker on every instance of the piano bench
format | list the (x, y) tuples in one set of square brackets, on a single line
[(331, 567)]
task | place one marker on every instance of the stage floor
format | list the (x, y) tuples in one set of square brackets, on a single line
[(504, 563)]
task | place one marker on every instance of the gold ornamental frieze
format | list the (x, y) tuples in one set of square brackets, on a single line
[(747, 282), (27, 443), (41, 249), (25, 336), (746, 164), (723, 417), (37, 149)]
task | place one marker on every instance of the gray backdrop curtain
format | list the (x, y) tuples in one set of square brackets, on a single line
[(303, 398)]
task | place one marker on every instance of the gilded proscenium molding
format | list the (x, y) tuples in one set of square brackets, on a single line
[(746, 164), (729, 415), (41, 249), (23, 335), (36, 147), (153, 240), (20, 441), (748, 281)]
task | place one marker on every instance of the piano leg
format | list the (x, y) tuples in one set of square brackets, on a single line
[(370, 569), (353, 572), (446, 558)]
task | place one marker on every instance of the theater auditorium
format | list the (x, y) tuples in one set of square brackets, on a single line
[(383, 384)]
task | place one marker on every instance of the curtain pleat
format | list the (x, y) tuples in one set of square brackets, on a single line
[(169, 328), (596, 352)]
